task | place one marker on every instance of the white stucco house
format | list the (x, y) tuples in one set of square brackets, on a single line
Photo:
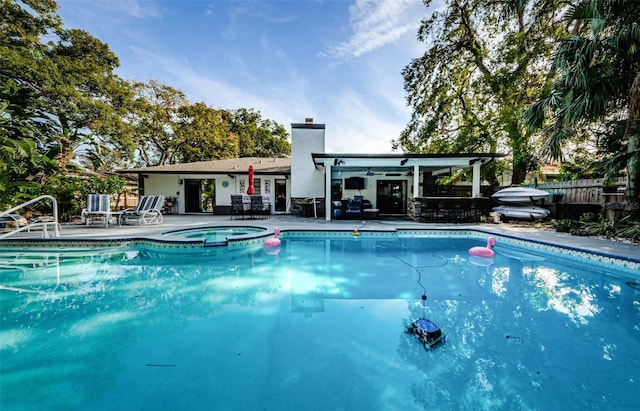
[(390, 184)]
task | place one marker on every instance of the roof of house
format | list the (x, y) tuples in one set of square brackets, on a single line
[(282, 166), (397, 162), (261, 165)]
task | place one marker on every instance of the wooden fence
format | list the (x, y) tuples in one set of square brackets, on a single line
[(571, 199), (581, 191)]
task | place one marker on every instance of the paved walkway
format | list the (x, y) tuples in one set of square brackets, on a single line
[(176, 222)]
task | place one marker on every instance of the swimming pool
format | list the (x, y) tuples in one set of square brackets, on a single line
[(214, 235), (320, 324)]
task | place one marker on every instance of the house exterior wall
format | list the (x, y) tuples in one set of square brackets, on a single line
[(306, 184), (306, 181), (162, 184), (225, 186), (169, 186), (369, 191)]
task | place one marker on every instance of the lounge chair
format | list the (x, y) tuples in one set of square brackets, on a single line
[(12, 222), (147, 212), (98, 209)]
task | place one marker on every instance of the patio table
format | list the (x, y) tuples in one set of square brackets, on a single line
[(114, 214)]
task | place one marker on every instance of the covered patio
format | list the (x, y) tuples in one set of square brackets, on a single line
[(404, 184)]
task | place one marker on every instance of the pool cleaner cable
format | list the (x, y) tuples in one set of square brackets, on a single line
[(356, 231), (419, 272), (428, 333)]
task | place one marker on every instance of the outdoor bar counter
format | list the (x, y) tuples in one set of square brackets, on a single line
[(452, 209)]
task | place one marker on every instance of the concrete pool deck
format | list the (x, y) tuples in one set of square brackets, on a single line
[(70, 231)]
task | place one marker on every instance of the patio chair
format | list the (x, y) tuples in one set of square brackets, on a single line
[(240, 205), (147, 212), (98, 209), (354, 208), (428, 211), (260, 206)]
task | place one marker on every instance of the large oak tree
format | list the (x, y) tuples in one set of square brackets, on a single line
[(258, 137), (163, 127), (485, 62)]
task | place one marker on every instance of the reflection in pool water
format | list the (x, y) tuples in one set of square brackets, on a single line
[(322, 325)]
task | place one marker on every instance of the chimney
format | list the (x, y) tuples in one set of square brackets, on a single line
[(306, 138)]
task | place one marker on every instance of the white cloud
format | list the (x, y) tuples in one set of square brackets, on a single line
[(283, 102), (357, 127), (209, 10), (353, 123), (243, 13), (139, 8), (135, 8), (376, 23), (357, 121), (360, 100)]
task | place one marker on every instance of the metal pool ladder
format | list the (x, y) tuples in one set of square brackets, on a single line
[(40, 222)]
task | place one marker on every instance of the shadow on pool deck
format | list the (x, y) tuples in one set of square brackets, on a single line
[(286, 222)]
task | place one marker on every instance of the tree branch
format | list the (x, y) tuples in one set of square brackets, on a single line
[(471, 42)]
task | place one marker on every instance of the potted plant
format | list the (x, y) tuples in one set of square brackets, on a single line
[(608, 185)]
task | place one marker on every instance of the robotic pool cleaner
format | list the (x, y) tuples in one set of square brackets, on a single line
[(429, 334)]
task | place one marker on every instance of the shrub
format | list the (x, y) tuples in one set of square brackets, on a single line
[(623, 228), (565, 226), (630, 229)]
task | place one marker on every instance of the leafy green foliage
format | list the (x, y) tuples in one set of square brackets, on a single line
[(104, 185), (166, 129), (102, 158), (24, 162), (69, 192), (596, 72), (483, 66), (621, 228), (151, 116), (59, 97), (203, 134), (258, 137), (604, 228), (53, 84), (629, 229), (581, 166), (566, 225)]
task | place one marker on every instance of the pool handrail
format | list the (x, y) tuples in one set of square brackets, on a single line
[(44, 223)]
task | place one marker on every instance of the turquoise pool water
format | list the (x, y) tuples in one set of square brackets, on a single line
[(215, 235), (318, 324)]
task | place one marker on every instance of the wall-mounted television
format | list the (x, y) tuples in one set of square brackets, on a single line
[(354, 183)]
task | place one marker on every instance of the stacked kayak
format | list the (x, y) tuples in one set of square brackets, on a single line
[(518, 203)]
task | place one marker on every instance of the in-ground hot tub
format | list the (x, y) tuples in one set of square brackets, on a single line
[(215, 235)]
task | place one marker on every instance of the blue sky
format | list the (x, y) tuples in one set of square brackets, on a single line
[(337, 61)]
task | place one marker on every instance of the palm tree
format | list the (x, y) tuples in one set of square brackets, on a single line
[(597, 82)]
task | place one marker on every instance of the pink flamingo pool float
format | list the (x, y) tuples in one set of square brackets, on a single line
[(485, 252), (273, 241)]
